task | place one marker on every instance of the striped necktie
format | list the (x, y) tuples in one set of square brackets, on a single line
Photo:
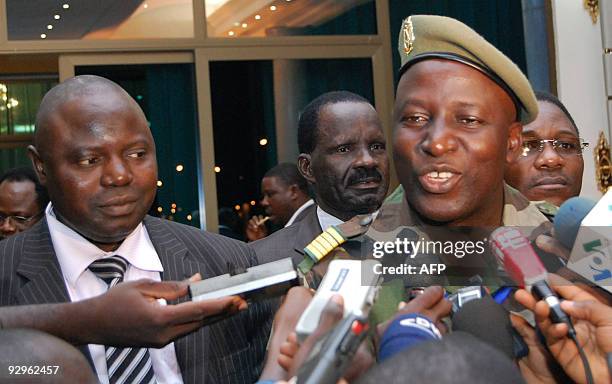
[(124, 365)]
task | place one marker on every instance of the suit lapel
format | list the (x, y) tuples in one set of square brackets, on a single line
[(40, 267), (178, 263), (309, 229)]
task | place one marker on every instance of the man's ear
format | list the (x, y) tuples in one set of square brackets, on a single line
[(293, 191), (38, 164), (515, 142), (304, 165)]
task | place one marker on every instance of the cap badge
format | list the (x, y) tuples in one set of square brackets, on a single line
[(408, 33)]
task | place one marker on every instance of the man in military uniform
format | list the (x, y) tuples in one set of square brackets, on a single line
[(459, 111)]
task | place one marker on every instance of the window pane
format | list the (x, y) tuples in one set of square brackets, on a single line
[(19, 101), (99, 20), (261, 18), (13, 157)]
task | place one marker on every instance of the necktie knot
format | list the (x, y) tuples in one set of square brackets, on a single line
[(110, 269)]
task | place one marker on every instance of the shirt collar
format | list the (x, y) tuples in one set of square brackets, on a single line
[(75, 253), (298, 211), (326, 220)]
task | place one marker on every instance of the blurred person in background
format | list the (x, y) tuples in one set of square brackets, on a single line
[(285, 200), (550, 166), (22, 201)]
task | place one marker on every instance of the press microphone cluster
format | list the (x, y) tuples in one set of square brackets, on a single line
[(525, 268)]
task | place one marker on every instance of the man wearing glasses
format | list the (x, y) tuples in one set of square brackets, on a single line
[(22, 201), (550, 167)]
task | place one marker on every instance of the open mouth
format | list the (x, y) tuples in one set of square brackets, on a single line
[(439, 182), (365, 183)]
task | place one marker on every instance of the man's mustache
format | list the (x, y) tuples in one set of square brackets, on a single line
[(360, 175)]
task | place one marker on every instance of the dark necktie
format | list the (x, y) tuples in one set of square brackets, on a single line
[(124, 365)]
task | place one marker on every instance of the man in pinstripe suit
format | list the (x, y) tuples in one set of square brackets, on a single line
[(94, 152)]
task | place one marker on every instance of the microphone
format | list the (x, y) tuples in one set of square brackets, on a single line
[(331, 357), (585, 227), (487, 321), (524, 266), (569, 217), (405, 332)]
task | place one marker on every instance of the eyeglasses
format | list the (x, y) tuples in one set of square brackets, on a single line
[(18, 221), (564, 147)]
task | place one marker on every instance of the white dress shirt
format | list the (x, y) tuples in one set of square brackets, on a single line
[(75, 254), (298, 211), (326, 220)]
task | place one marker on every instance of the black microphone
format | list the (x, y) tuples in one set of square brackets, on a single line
[(488, 321)]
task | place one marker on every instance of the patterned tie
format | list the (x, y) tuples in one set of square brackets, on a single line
[(124, 365)]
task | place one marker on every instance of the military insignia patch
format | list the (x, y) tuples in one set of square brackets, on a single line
[(408, 35)]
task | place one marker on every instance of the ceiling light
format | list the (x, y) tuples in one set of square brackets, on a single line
[(217, 169), (159, 183), (66, 6), (179, 168), (56, 17), (244, 25), (145, 6), (231, 33), (43, 36), (263, 142), (273, 7), (257, 17), (236, 24), (49, 27)]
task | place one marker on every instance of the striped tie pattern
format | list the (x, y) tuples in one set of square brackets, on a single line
[(124, 365)]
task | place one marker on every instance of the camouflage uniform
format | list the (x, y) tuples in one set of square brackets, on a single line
[(396, 219), (533, 218)]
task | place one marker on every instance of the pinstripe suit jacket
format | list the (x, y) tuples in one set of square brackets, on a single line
[(230, 351)]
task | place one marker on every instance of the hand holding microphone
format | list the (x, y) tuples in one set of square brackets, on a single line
[(431, 303), (593, 323), (525, 268)]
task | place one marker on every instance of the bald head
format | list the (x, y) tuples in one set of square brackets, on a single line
[(95, 154), (76, 88), (27, 347)]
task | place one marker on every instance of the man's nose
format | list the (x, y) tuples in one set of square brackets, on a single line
[(439, 140), (549, 158), (365, 159), (117, 173), (8, 228)]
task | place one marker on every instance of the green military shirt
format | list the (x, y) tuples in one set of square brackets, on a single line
[(396, 216)]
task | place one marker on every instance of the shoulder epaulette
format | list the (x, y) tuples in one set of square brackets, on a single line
[(336, 235)]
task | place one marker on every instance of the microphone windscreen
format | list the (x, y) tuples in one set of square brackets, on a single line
[(487, 321), (406, 331), (568, 218)]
